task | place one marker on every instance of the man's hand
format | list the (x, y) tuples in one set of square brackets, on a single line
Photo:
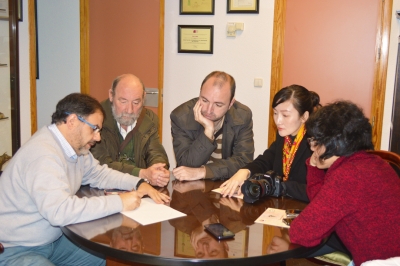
[(183, 173), (130, 200), (158, 197), (234, 184), (206, 123), (156, 174)]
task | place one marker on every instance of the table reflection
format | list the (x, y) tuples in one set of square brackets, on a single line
[(184, 238)]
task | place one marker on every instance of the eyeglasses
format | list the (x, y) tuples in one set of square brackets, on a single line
[(312, 141), (96, 129)]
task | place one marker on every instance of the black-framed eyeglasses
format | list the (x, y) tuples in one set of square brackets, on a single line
[(312, 141), (96, 129)]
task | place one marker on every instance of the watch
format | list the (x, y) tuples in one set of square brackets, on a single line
[(140, 182)]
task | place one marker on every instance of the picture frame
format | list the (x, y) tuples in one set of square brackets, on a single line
[(183, 246), (239, 247), (243, 6), (196, 7), (195, 39), (4, 9)]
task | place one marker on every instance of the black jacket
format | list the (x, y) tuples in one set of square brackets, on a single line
[(271, 159)]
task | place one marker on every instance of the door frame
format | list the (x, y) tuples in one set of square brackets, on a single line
[(380, 69)]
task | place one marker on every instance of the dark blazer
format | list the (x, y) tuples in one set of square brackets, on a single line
[(193, 149), (271, 159)]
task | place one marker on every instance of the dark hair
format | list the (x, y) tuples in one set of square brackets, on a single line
[(118, 79), (221, 78), (75, 103), (303, 100), (342, 128)]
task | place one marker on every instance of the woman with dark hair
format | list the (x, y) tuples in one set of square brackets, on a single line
[(286, 156), (352, 192)]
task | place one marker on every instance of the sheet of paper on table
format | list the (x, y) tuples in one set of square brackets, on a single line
[(218, 190), (273, 217), (150, 212)]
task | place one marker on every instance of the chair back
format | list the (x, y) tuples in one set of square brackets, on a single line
[(390, 157)]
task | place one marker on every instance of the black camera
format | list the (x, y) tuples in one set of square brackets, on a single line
[(261, 185)]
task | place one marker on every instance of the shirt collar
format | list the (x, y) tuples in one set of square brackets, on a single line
[(67, 148), (124, 132)]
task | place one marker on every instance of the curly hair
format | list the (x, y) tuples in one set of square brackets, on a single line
[(303, 100), (342, 128), (77, 103)]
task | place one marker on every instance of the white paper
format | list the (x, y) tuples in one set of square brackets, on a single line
[(273, 217), (150, 212), (218, 190)]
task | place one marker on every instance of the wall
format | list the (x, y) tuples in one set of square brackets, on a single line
[(246, 56), (5, 92), (332, 54), (123, 40), (183, 72), (59, 54)]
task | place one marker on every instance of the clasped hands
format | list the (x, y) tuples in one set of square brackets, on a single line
[(156, 174)]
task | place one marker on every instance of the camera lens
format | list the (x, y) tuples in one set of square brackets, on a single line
[(254, 190)]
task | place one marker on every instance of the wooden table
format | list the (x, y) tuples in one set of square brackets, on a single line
[(183, 241)]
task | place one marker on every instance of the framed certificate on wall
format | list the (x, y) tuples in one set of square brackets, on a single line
[(243, 6), (195, 39), (196, 7)]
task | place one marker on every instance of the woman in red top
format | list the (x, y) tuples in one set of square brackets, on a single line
[(351, 192)]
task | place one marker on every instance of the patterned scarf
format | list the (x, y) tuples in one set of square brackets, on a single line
[(289, 151)]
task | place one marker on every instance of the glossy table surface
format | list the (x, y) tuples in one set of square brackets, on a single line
[(183, 241)]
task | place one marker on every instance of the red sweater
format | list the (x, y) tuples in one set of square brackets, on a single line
[(359, 198)]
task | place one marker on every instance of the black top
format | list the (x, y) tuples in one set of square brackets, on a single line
[(271, 159)]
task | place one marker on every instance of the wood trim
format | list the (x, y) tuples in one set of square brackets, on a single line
[(161, 69), (380, 72), (32, 65), (84, 43), (277, 60)]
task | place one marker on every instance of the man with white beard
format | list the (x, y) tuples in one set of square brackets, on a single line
[(130, 140)]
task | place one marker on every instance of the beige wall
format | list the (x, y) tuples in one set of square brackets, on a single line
[(330, 48)]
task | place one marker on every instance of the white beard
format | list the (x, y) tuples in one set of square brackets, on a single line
[(125, 119)]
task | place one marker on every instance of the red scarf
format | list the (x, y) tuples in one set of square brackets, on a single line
[(289, 151)]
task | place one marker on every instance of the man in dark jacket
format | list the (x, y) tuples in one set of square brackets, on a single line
[(212, 134), (129, 139)]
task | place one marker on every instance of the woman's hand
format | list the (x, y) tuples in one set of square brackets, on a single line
[(234, 204), (234, 184), (313, 159), (278, 244)]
